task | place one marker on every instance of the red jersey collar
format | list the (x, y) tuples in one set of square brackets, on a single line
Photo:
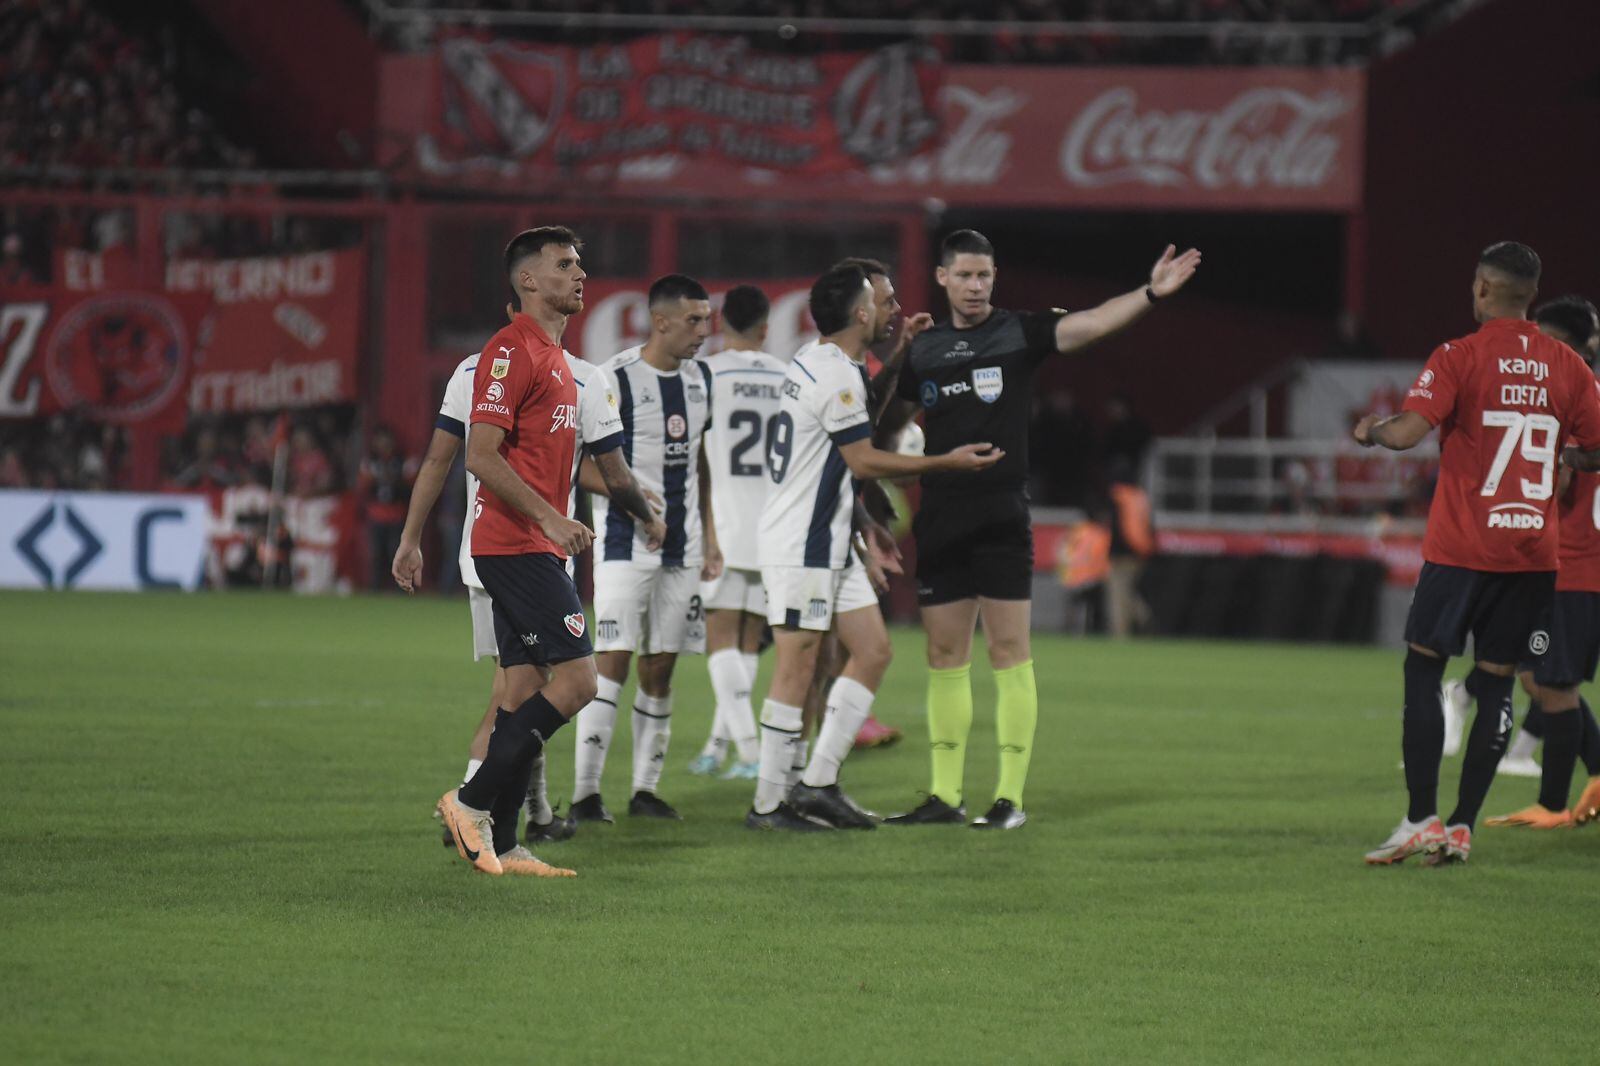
[(523, 319), (1518, 325)]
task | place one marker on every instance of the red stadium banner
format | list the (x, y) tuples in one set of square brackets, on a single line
[(123, 357), (285, 329), (698, 116)]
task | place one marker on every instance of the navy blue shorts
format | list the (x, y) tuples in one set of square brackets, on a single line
[(1499, 611), (1565, 645), (538, 620)]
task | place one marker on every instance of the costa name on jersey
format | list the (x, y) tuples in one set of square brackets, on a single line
[(806, 520), (746, 390), (663, 419), (1506, 399)]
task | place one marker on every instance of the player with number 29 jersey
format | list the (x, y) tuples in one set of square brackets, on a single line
[(745, 394), (1505, 399)]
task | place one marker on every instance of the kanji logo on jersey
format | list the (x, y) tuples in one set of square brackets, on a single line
[(574, 624), (500, 367), (988, 382), (495, 392)]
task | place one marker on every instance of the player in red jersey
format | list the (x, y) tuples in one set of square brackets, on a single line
[(1571, 626), (524, 418), (1505, 399)]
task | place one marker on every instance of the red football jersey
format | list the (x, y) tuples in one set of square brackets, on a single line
[(1506, 400), (524, 386), (1580, 534)]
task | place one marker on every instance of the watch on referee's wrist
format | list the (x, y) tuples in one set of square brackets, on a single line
[(1150, 294)]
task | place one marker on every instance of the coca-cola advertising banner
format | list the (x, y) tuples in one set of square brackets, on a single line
[(707, 116)]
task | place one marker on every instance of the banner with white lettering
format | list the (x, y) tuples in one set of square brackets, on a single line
[(102, 540), (716, 117)]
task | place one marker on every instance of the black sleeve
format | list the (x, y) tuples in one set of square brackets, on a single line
[(1039, 331), (906, 385)]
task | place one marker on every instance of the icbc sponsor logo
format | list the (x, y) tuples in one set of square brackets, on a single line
[(120, 357)]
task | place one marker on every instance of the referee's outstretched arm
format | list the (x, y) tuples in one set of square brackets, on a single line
[(1080, 329)]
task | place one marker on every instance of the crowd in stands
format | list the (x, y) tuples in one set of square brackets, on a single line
[(78, 88), (1274, 39)]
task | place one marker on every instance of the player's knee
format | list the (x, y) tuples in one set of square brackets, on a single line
[(1528, 685)]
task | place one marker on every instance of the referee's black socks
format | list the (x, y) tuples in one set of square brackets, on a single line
[(1491, 732), (518, 736), (1422, 733)]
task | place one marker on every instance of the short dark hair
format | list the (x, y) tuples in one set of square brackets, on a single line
[(1515, 261), (670, 287), (1572, 315), (834, 296), (964, 242), (531, 242), (744, 308), (872, 268)]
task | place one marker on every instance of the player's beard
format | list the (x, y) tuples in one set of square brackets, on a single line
[(569, 305)]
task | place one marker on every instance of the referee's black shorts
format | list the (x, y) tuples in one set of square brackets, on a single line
[(970, 546), (1498, 610), (538, 620), (1564, 649)]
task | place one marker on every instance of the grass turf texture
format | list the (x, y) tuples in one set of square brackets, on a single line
[(219, 848)]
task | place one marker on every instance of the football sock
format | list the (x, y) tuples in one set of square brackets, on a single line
[(1563, 731), (518, 736), (752, 670), (1491, 730), (508, 805), (539, 812), (472, 768), (1589, 746), (596, 723), (780, 734), (799, 752), (730, 681), (1533, 722), (849, 704), (1016, 714), (949, 723), (1422, 733), (652, 730)]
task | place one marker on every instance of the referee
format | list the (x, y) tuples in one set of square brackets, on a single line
[(972, 378)]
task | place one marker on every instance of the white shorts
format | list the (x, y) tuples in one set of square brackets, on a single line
[(648, 609), (483, 642), (808, 597), (735, 590)]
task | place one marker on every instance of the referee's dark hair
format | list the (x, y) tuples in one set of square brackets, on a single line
[(834, 296), (1572, 315), (964, 242), (531, 242), (744, 308), (1516, 261), (671, 287), (872, 268)]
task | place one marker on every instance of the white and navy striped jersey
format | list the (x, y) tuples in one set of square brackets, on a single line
[(664, 417), (745, 391), (806, 520), (599, 431)]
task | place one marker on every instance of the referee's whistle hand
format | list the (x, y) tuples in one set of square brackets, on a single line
[(974, 456)]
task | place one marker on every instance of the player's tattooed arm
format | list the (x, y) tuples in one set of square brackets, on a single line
[(894, 417), (711, 569), (617, 481), (1578, 459), (1398, 433), (407, 565), (1080, 329), (486, 464)]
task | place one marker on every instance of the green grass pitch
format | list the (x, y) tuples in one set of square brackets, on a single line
[(218, 848)]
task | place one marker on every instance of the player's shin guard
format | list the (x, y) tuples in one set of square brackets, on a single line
[(1422, 733), (781, 725), (949, 723), (1016, 716), (652, 730), (1563, 732), (1491, 731), (849, 704), (596, 722), (731, 682), (518, 736)]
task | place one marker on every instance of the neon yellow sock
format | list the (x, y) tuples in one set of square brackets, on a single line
[(949, 722), (1016, 715)]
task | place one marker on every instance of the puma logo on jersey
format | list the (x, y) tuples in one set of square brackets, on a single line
[(557, 375), (506, 350)]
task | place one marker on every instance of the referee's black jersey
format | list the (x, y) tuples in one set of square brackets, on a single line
[(977, 385)]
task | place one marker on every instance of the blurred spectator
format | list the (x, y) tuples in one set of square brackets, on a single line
[(13, 475), (209, 469), (1126, 440), (310, 471), (1060, 450), (386, 478)]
